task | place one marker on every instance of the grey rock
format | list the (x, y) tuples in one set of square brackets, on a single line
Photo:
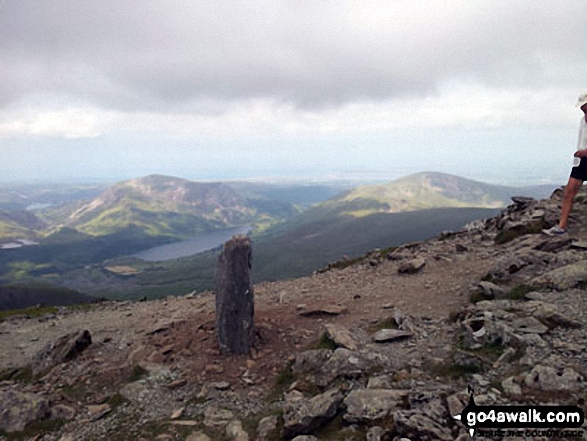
[(414, 424), (341, 336), (412, 266), (311, 361), (98, 411), (380, 382), (326, 310), (64, 349), (566, 277), (302, 416), (511, 388), (234, 296), (522, 201), (221, 385), (267, 430), (390, 335), (372, 405), (580, 245), (235, 432), (305, 438), (491, 290), (467, 360), (63, 412), (554, 245), (377, 433), (20, 409), (529, 325), (547, 378), (549, 315), (198, 436), (214, 417)]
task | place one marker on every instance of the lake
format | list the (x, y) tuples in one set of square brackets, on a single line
[(190, 247)]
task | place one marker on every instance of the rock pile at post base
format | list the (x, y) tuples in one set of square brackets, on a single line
[(235, 296)]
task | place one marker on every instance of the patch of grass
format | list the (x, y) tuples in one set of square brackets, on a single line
[(77, 392), (117, 400), (452, 370), (505, 236), (335, 430), (33, 429), (495, 280), (283, 381), (325, 342), (453, 316), (285, 377), (22, 374), (29, 312), (491, 351), (476, 297), (519, 291), (137, 373)]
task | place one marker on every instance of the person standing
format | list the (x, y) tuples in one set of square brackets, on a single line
[(578, 173)]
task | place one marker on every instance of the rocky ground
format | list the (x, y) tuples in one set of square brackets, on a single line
[(385, 347)]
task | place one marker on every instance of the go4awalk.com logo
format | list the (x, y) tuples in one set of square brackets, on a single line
[(500, 421)]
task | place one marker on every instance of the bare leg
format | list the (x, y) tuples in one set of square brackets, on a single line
[(571, 190)]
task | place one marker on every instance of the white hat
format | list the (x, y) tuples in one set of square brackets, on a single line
[(582, 100)]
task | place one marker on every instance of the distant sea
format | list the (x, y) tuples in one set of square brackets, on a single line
[(190, 247)]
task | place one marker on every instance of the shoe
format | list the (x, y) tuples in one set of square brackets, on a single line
[(555, 231)]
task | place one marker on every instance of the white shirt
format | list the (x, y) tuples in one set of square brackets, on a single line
[(582, 142)]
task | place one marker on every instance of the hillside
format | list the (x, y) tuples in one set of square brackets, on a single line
[(26, 296), (419, 191), (161, 205), (366, 350)]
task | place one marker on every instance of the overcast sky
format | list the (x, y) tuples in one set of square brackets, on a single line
[(232, 89)]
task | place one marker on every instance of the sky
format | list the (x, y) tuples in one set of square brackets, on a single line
[(109, 90)]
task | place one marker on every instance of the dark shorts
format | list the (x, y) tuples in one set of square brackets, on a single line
[(580, 172)]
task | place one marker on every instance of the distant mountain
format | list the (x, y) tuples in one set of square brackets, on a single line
[(163, 206), (419, 191), (25, 296), (19, 224)]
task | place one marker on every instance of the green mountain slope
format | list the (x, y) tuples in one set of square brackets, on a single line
[(19, 224), (420, 191), (162, 206)]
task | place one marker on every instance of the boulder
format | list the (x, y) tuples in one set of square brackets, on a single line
[(20, 409), (235, 432), (311, 361), (430, 422), (267, 430), (412, 266), (566, 277), (198, 436), (529, 325), (372, 405), (214, 417), (390, 335), (547, 378), (65, 349), (302, 416), (491, 290), (341, 336)]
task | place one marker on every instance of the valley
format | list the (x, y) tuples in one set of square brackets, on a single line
[(296, 228)]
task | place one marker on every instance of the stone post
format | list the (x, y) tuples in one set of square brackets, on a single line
[(234, 296)]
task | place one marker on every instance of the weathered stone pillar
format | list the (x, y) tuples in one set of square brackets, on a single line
[(235, 303)]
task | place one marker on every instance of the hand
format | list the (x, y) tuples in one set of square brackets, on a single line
[(580, 153)]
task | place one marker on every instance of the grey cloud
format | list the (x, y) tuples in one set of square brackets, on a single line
[(167, 55)]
